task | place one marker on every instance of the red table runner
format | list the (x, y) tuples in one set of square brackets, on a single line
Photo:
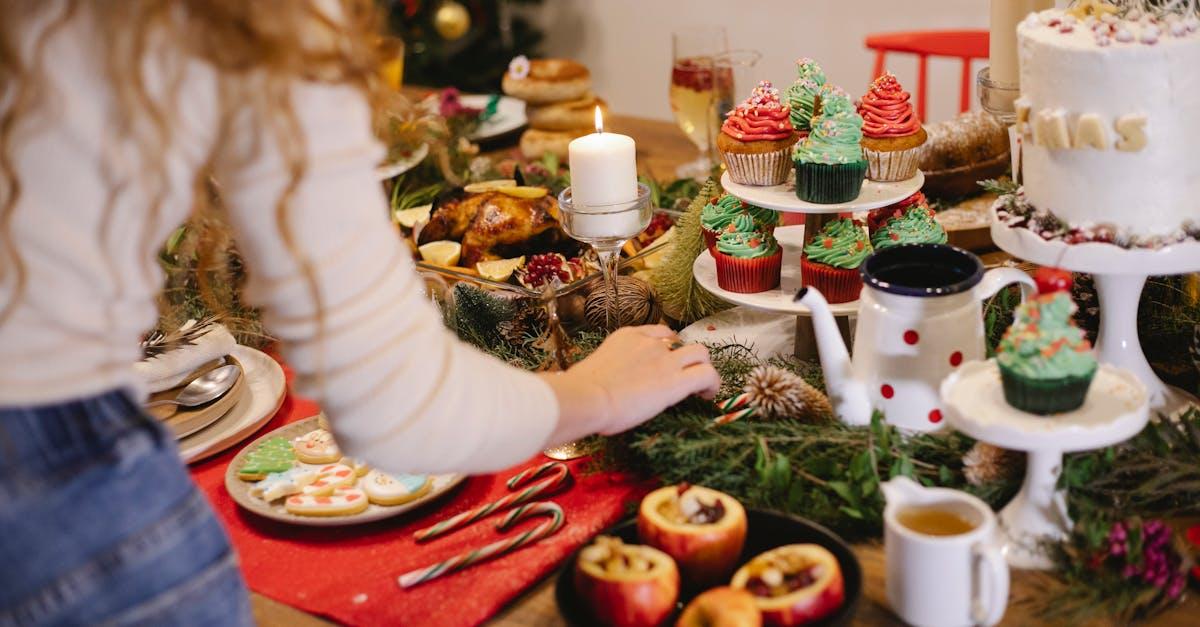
[(349, 573)]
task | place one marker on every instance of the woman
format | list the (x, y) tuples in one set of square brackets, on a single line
[(112, 117)]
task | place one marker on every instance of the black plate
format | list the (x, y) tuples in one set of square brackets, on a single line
[(765, 531)]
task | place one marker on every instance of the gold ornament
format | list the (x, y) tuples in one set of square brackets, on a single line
[(637, 303), (777, 393), (451, 20)]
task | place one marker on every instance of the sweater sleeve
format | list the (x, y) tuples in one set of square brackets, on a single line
[(347, 304)]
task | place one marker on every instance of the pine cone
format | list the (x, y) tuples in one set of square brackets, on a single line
[(777, 393), (985, 463), (529, 323)]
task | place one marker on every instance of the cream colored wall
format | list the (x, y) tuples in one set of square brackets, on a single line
[(627, 43)]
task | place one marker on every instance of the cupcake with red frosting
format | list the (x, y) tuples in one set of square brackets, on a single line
[(757, 138), (892, 133)]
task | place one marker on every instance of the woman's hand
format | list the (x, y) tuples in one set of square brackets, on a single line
[(633, 376)]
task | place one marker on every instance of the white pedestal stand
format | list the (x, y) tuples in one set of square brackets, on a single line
[(1115, 410), (792, 239), (1120, 274)]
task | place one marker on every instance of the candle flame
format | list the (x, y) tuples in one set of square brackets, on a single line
[(599, 120)]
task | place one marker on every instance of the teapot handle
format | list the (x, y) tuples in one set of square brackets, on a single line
[(997, 278)]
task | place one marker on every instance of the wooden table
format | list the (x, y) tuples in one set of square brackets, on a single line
[(662, 147)]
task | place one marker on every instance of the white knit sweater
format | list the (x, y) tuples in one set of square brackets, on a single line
[(400, 391)]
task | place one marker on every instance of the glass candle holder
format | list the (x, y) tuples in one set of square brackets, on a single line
[(998, 98), (606, 228)]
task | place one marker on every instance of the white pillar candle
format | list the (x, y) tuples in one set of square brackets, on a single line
[(603, 176), (1002, 37)]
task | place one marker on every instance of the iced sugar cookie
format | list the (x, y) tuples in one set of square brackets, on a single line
[(329, 478), (317, 447), (360, 467), (385, 489), (345, 501), (273, 455), (280, 484)]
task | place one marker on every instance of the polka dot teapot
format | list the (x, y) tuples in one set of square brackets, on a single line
[(920, 317)]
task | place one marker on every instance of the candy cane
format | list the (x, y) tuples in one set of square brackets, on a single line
[(495, 549), (558, 476), (735, 408)]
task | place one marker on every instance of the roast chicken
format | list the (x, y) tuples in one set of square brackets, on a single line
[(494, 225)]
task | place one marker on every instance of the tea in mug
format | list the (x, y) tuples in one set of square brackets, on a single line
[(934, 521)]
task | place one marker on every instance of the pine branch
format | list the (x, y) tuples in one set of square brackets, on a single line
[(682, 297)]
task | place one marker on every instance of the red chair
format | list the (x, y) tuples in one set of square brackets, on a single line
[(962, 44)]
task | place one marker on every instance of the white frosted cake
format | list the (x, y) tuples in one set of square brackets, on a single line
[(1110, 119)]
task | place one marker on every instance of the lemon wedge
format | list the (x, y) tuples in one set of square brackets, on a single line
[(500, 269), (441, 253), (489, 186), (408, 218), (523, 191), (661, 245)]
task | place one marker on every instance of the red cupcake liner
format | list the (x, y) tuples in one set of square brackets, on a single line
[(710, 238), (837, 285), (748, 276)]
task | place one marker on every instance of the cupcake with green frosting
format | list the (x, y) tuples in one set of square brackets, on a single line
[(915, 225), (719, 214), (829, 163), (1046, 363), (831, 260), (803, 95), (748, 260)]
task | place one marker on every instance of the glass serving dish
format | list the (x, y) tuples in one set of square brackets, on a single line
[(570, 295)]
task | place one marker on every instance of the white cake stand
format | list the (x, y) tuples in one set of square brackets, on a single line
[(1115, 410), (816, 216), (1120, 275)]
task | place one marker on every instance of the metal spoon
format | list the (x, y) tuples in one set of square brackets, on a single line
[(204, 388)]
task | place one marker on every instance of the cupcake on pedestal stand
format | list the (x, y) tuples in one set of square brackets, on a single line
[(1043, 394), (1107, 161), (833, 168)]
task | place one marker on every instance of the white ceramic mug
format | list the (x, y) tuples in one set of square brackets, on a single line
[(950, 580)]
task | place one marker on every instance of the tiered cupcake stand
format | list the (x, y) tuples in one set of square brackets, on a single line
[(1120, 275), (792, 239), (1115, 410)]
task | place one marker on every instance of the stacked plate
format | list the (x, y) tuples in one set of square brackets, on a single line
[(216, 425)]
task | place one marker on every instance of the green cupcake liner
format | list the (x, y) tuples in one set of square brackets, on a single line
[(1045, 396), (829, 183)]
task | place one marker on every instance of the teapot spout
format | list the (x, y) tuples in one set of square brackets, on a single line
[(847, 394)]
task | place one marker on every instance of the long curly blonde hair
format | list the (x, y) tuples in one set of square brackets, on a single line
[(275, 42)]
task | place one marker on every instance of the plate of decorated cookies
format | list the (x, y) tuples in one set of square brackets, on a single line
[(297, 474), (694, 556)]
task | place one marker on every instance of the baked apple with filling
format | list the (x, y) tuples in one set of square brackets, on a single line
[(793, 584), (626, 585), (702, 529), (721, 607)]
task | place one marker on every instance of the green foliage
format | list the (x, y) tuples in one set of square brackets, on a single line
[(676, 194), (829, 473), (1156, 473), (682, 297)]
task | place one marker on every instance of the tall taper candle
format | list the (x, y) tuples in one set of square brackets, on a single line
[(1002, 38)]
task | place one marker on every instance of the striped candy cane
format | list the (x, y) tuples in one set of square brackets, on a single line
[(558, 475), (735, 408), (495, 549)]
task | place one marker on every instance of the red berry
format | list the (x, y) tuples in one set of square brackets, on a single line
[(1050, 280)]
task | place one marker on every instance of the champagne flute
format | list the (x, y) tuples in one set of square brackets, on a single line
[(696, 86)]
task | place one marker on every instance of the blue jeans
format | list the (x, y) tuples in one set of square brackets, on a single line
[(101, 524)]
